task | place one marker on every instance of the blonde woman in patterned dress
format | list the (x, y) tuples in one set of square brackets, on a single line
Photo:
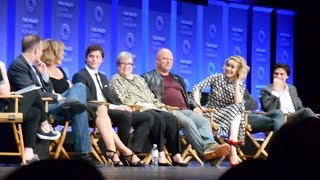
[(226, 96)]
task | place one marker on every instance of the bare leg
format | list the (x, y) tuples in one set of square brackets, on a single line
[(234, 130), (178, 158), (103, 123), (28, 151), (162, 157)]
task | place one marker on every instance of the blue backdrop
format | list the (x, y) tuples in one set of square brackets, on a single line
[(201, 37)]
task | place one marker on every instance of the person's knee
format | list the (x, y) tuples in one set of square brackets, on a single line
[(102, 111), (125, 118), (80, 85), (308, 112), (149, 120)]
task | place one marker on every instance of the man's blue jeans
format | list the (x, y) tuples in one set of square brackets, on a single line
[(80, 125)]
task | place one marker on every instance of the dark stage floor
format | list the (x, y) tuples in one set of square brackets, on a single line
[(194, 171)]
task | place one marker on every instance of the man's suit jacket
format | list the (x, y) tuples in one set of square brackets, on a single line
[(21, 76), (270, 101), (84, 76)]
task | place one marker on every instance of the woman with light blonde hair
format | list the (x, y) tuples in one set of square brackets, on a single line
[(226, 96)]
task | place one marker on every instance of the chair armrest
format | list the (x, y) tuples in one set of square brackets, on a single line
[(11, 96), (136, 107), (208, 110), (16, 98), (100, 102), (47, 99), (171, 108)]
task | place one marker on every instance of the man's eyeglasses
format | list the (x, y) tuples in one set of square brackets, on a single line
[(126, 64)]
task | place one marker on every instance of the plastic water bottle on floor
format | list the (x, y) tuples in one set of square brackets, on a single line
[(155, 156)]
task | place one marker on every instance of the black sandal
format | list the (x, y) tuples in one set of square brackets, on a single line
[(115, 163), (134, 164)]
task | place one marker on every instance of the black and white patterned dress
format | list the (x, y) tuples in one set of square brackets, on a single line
[(221, 98)]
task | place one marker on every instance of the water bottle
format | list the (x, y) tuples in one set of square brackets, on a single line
[(155, 156)]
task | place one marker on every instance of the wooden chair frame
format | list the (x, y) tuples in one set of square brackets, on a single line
[(188, 152), (16, 119), (260, 147), (56, 147)]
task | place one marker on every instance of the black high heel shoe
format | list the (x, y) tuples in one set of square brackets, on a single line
[(115, 163), (179, 164), (134, 164)]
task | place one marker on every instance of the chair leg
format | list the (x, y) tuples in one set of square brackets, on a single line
[(97, 149), (146, 157), (20, 142), (217, 162), (189, 152), (61, 140), (95, 154), (263, 146), (167, 154)]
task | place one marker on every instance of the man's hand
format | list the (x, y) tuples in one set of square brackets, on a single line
[(198, 110), (277, 85), (41, 66)]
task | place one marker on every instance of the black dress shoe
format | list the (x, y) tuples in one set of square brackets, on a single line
[(72, 107), (164, 164), (179, 164), (88, 158)]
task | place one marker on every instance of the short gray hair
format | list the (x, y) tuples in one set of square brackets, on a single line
[(124, 55)]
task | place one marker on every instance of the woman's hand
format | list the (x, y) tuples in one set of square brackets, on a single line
[(198, 110), (124, 108)]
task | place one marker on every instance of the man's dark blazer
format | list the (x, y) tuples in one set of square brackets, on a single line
[(270, 101), (21, 76), (84, 76)]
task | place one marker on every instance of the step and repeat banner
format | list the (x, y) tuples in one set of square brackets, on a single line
[(284, 39), (29, 19), (158, 27), (260, 51), (3, 30), (98, 30), (201, 37)]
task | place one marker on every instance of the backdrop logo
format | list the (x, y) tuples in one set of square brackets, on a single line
[(211, 68), (237, 50), (30, 5), (212, 31), (261, 36), (159, 23), (261, 73), (98, 14), (284, 56), (186, 47), (129, 40), (65, 31)]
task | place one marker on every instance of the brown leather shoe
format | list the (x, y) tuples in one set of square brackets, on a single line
[(217, 150)]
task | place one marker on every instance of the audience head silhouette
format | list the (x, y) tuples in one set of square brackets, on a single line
[(57, 169)]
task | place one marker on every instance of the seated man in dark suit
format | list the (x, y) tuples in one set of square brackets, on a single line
[(269, 121), (28, 70), (280, 95), (121, 115), (31, 107)]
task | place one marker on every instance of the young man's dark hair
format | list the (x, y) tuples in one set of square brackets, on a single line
[(95, 47), (283, 66)]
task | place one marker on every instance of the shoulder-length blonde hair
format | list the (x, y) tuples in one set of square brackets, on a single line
[(53, 52), (243, 68)]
